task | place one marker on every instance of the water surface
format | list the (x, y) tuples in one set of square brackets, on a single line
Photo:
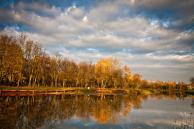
[(96, 112)]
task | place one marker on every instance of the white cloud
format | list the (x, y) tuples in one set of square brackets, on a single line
[(102, 28), (136, 32), (85, 19)]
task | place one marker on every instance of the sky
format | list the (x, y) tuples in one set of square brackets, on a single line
[(155, 38)]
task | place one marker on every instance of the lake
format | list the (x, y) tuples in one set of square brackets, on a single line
[(97, 111)]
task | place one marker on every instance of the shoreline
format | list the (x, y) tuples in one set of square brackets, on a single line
[(58, 90), (31, 91)]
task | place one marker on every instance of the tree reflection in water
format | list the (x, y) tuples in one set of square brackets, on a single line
[(35, 111)]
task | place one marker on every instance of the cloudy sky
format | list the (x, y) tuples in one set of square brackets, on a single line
[(154, 37)]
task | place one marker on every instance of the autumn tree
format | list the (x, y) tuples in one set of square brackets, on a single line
[(11, 60), (32, 53), (44, 69), (69, 72), (127, 76), (136, 81), (104, 68), (23, 62), (192, 81)]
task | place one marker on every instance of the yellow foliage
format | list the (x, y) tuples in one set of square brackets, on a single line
[(106, 65)]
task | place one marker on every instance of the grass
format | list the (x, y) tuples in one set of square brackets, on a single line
[(77, 90), (146, 92), (32, 88), (59, 90)]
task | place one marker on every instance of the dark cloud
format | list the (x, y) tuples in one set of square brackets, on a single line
[(179, 12)]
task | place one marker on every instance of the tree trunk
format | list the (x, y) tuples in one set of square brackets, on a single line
[(86, 84), (34, 83), (18, 82), (30, 79), (55, 82), (102, 83), (19, 79), (63, 82), (43, 82), (77, 82)]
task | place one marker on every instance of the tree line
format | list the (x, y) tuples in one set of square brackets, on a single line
[(24, 63)]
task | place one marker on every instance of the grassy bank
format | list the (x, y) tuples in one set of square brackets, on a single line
[(4, 90), (7, 90)]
